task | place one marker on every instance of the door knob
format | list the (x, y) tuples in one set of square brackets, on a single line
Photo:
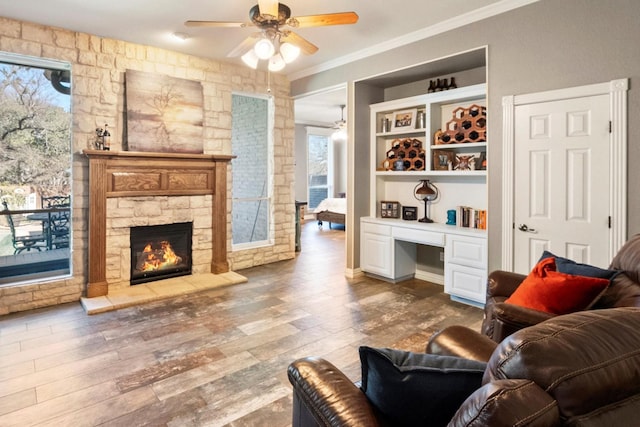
[(523, 227)]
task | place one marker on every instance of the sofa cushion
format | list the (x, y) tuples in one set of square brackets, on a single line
[(551, 291), (569, 266), (417, 388)]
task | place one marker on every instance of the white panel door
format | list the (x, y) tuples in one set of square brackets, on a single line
[(562, 181)]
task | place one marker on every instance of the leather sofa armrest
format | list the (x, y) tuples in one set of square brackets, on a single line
[(509, 318), (327, 396), (461, 341), (503, 283), (508, 403)]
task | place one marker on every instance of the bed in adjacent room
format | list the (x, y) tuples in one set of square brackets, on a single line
[(331, 210)]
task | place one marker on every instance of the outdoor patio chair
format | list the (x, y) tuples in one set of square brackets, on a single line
[(56, 202), (59, 230), (36, 241)]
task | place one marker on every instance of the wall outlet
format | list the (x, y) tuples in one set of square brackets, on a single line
[(441, 256)]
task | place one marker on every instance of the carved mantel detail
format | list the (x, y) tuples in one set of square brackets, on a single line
[(128, 173)]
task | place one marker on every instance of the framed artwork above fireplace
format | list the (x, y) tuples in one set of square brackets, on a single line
[(164, 113)]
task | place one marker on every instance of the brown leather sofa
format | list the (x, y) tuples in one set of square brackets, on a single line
[(580, 369), (502, 319)]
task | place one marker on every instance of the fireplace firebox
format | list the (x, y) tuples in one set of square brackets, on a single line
[(160, 252)]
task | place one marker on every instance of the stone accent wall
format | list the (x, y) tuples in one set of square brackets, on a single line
[(98, 95)]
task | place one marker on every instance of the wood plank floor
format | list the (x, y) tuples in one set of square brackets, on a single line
[(215, 358)]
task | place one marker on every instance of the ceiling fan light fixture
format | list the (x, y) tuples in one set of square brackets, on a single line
[(251, 59), (276, 63), (183, 37), (340, 133), (289, 52), (264, 48)]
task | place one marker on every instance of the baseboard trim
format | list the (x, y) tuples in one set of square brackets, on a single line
[(353, 273), (427, 276)]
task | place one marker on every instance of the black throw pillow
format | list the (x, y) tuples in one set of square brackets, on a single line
[(417, 388)]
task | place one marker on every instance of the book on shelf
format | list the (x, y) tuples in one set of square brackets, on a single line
[(471, 218)]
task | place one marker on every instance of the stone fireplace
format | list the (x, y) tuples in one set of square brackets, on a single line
[(160, 251), (129, 189)]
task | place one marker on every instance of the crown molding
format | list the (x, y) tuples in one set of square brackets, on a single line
[(424, 33)]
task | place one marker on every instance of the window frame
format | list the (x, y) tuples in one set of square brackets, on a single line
[(270, 240), (326, 132), (58, 65)]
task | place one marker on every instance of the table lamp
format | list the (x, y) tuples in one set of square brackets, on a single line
[(426, 192)]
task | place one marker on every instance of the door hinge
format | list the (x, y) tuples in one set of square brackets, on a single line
[(610, 126), (609, 221)]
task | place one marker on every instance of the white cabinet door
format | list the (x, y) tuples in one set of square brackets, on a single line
[(465, 282), (465, 270), (375, 251), (465, 250)]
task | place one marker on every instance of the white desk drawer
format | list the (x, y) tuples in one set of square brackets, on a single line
[(465, 282), (383, 230), (418, 236), (469, 251)]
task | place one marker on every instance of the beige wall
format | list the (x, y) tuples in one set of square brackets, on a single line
[(543, 46), (98, 95)]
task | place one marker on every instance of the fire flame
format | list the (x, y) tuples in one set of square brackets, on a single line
[(158, 259)]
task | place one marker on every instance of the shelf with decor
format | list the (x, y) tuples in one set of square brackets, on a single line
[(405, 144), (458, 133), (427, 160), (400, 129)]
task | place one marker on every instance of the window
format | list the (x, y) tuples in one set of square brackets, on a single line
[(319, 166), (35, 168), (251, 129)]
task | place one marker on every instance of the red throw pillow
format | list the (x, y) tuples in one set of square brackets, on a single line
[(546, 289)]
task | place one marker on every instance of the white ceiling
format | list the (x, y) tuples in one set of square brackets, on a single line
[(382, 24)]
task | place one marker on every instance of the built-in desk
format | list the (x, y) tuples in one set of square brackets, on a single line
[(388, 250)]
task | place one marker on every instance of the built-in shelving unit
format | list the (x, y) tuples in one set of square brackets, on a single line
[(420, 160), (405, 149)]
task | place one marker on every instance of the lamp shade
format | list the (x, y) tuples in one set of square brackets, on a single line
[(339, 135), (289, 52), (427, 190), (276, 63), (251, 59), (264, 48)]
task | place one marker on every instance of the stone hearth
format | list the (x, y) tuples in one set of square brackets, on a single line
[(167, 288)]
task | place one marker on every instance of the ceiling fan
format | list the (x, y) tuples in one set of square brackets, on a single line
[(340, 128), (280, 46)]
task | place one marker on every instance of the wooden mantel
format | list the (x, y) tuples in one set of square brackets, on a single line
[(129, 173)]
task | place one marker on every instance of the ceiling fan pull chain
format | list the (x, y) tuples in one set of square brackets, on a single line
[(268, 81)]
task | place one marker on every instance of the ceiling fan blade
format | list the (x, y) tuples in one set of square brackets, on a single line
[(322, 20), (217, 24), (304, 45), (244, 47), (268, 7)]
